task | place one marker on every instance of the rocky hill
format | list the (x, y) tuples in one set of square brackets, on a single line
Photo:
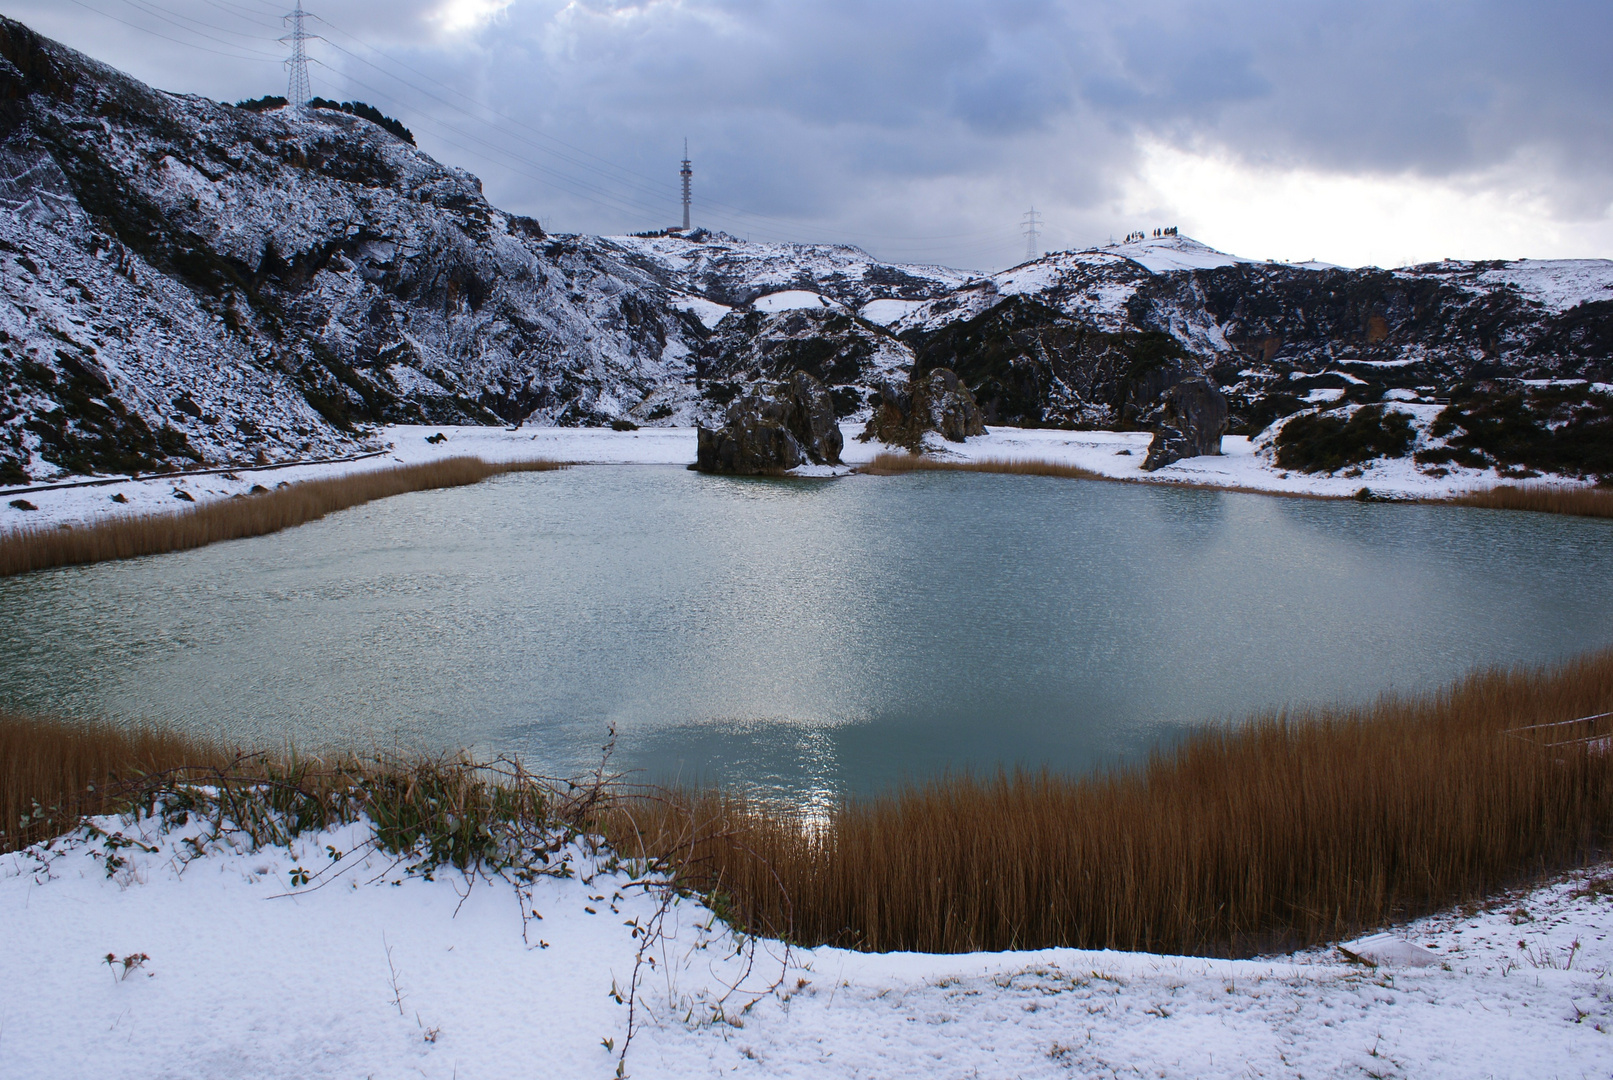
[(186, 281)]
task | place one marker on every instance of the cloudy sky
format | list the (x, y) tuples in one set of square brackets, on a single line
[(924, 130)]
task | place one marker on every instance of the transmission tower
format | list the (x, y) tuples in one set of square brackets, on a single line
[(687, 174), (297, 91), (1032, 222)]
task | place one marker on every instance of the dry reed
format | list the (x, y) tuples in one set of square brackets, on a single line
[(1288, 830), (53, 772), (1577, 501), (124, 537), (1285, 831), (891, 464)]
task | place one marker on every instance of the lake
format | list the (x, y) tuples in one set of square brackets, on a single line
[(810, 637)]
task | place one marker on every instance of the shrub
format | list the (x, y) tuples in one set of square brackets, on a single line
[(263, 104), (366, 112), (1321, 442)]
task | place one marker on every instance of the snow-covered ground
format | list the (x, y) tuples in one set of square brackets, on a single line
[(233, 971), (1118, 455)]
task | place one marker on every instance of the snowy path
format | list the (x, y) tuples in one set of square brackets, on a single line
[(366, 978)]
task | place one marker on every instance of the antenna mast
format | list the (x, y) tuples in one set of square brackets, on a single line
[(1031, 222), (297, 92), (687, 174)]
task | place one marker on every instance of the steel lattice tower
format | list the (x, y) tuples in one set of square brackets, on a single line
[(297, 91), (1032, 221), (687, 174)]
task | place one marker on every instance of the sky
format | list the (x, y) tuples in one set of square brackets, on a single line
[(1355, 133)]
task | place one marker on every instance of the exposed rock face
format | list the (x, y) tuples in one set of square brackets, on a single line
[(1031, 365), (773, 428), (1195, 416), (936, 402), (845, 354)]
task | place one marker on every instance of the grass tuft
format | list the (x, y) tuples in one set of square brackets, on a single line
[(125, 537)]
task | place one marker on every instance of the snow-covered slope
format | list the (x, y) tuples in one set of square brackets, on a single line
[(184, 954)]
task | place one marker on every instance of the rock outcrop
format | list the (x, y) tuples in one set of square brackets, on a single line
[(1194, 419), (773, 428), (936, 401)]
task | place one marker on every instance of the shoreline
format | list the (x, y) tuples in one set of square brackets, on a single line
[(318, 946), (1114, 456)]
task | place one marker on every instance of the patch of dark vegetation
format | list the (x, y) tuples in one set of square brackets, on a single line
[(1564, 429), (366, 112), (1320, 442), (262, 104)]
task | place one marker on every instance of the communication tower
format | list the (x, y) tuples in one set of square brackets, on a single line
[(297, 91), (1032, 223), (687, 174)]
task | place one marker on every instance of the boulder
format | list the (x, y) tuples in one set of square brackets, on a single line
[(1195, 415), (773, 428), (935, 402)]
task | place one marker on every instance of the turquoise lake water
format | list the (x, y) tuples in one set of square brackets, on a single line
[(812, 637)]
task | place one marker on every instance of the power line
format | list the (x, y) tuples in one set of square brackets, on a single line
[(297, 91), (1031, 222), (622, 201)]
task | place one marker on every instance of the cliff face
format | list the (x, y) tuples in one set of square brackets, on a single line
[(190, 280), (187, 281)]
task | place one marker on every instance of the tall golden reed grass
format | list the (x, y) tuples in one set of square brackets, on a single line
[(1578, 501), (1288, 830), (127, 536), (67, 770), (891, 464), (1284, 831)]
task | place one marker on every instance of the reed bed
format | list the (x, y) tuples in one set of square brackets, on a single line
[(1576, 501), (53, 772), (1288, 830), (891, 464), (128, 536)]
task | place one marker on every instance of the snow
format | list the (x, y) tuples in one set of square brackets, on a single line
[(792, 300), (709, 312), (368, 971), (1161, 255), (1242, 465), (1387, 950), (885, 312), (1558, 284)]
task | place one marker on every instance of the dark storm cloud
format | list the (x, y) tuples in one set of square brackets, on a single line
[(900, 119)]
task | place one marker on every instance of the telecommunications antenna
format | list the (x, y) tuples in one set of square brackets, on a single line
[(686, 174)]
